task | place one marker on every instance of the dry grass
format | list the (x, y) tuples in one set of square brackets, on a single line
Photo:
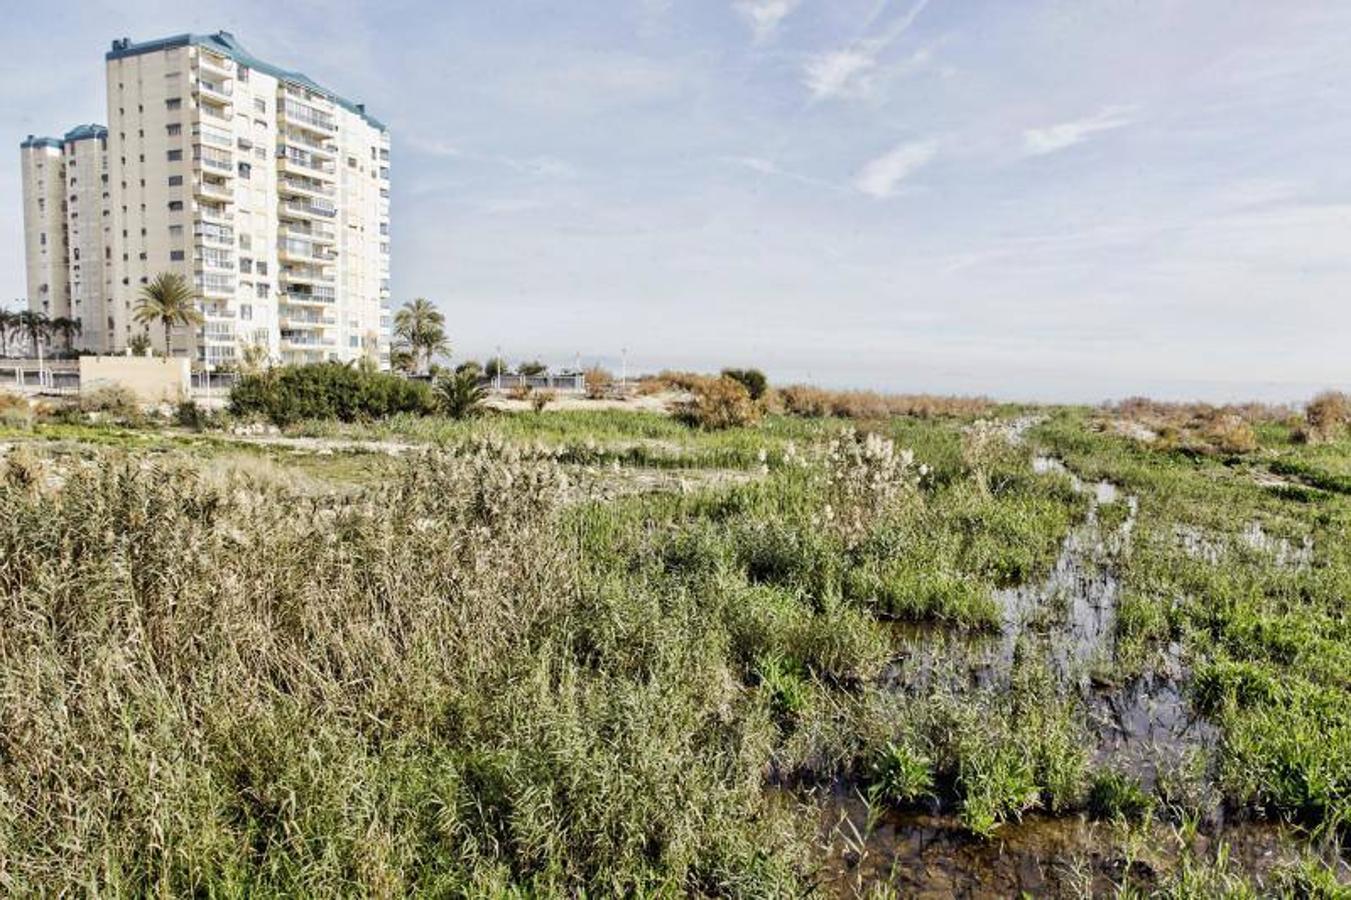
[(804, 400)]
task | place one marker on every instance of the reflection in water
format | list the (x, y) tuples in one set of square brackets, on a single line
[(924, 855), (1145, 728)]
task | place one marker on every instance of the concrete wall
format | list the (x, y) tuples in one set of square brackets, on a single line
[(153, 379)]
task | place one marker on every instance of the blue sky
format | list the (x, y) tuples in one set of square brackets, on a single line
[(1058, 200)]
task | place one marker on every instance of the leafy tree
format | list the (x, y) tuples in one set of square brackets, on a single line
[(67, 327), (532, 369), (495, 366), (139, 344), (35, 326), (753, 380), (460, 395), (169, 300), (422, 326), (470, 365)]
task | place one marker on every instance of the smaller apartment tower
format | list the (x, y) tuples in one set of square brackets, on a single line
[(266, 191)]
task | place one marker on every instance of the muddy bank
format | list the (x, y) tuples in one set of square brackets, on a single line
[(926, 855)]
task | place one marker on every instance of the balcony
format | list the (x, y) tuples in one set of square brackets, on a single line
[(306, 140), (289, 184), (319, 297), (305, 165), (211, 214), (221, 92), (219, 165), (313, 232), (212, 112), (310, 275), (217, 65), (307, 210), (307, 118), (299, 339), (213, 190), (212, 287)]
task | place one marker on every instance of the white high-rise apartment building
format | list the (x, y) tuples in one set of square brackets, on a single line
[(268, 192), (66, 228)]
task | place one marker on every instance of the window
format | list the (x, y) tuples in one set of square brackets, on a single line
[(175, 155), (173, 103), (175, 206), (175, 181), (245, 170), (246, 312), (175, 256), (242, 73), (174, 129), (353, 341), (262, 269), (245, 242), (175, 231), (260, 152), (260, 104), (246, 265), (262, 290)]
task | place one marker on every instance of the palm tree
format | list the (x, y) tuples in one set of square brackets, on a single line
[(67, 327), (402, 359), (423, 328), (36, 326), (460, 395), (9, 327), (170, 301)]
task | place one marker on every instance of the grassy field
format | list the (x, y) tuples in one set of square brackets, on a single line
[(600, 653)]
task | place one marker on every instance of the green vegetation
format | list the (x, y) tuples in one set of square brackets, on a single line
[(168, 301), (346, 393), (598, 652)]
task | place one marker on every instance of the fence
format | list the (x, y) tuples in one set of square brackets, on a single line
[(565, 382)]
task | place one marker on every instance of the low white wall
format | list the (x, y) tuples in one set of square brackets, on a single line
[(153, 379)]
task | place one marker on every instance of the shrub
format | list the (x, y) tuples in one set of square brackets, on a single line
[(15, 411), (461, 395), (1113, 795), (519, 391), (114, 400), (190, 415), (597, 382), (1229, 433), (1328, 415), (901, 775), (541, 399), (720, 403), (329, 390), (813, 402), (753, 380)]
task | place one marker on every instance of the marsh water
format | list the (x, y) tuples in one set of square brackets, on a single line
[(1143, 727)]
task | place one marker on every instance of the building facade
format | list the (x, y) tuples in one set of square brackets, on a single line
[(268, 192)]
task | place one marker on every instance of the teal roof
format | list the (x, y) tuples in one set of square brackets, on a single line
[(85, 132), (35, 141), (224, 42)]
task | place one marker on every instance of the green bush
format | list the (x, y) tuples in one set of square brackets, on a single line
[(1113, 795), (753, 380), (327, 391)]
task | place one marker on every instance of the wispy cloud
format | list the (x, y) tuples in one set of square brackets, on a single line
[(1053, 138), (882, 176), (764, 16), (850, 71), (763, 166)]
